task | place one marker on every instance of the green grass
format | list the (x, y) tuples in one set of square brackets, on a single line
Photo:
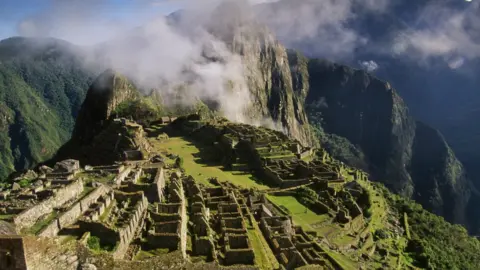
[(35, 229), (344, 240), (107, 211), (7, 217), (378, 208), (201, 172), (342, 260), (94, 244), (88, 178), (143, 254), (297, 210), (264, 257)]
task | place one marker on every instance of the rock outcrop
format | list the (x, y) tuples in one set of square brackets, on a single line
[(104, 95)]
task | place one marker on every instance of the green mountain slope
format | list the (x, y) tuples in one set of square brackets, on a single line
[(42, 86)]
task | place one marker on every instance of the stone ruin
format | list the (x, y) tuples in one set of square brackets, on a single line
[(167, 224), (149, 207)]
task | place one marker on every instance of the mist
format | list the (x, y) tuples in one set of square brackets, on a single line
[(161, 53), (180, 51)]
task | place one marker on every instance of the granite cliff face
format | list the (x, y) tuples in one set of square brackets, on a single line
[(410, 157), (271, 84)]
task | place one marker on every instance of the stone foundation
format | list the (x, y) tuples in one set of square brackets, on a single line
[(30, 216)]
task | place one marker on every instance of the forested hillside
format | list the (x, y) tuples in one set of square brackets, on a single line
[(42, 85)]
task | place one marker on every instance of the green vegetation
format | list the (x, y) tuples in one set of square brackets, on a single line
[(200, 169), (39, 97), (306, 196), (144, 254), (302, 216), (264, 257), (35, 229), (342, 260), (144, 109), (435, 243), (6, 217), (94, 244), (25, 182), (338, 147), (179, 162)]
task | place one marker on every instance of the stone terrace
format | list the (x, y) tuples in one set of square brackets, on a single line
[(167, 226)]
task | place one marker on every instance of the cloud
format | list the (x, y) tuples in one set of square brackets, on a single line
[(157, 55), (369, 66), (441, 31), (321, 28)]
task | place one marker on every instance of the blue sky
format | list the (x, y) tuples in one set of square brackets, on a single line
[(130, 13)]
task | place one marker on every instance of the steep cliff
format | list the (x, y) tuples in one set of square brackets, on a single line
[(275, 94), (408, 156), (97, 139), (445, 191), (107, 92)]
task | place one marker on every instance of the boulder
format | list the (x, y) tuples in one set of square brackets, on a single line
[(16, 186), (45, 169), (157, 159), (67, 166), (27, 175), (88, 266), (38, 183), (7, 228)]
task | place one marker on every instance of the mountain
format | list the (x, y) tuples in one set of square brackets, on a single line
[(439, 87), (266, 70), (42, 86), (329, 223), (107, 92), (408, 156)]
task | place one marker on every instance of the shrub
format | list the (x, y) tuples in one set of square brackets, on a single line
[(24, 183), (93, 243), (179, 162)]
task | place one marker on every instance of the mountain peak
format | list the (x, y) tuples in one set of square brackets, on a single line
[(104, 95)]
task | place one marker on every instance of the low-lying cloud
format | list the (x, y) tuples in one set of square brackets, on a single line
[(369, 66), (156, 55)]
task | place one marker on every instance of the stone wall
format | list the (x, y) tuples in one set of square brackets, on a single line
[(127, 233), (159, 182), (203, 246), (163, 240), (121, 176), (153, 191), (69, 217), (30, 216), (108, 236), (12, 253)]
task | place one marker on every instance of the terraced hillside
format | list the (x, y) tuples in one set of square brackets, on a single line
[(206, 194)]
